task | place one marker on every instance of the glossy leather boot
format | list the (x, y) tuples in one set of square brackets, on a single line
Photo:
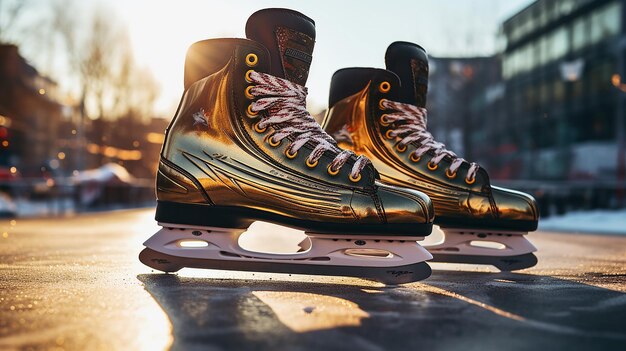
[(242, 148), (380, 114)]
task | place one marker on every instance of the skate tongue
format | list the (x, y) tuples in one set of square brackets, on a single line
[(410, 62), (289, 36)]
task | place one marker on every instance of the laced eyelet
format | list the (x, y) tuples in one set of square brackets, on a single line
[(383, 120), (449, 174), (291, 156), (470, 182), (432, 166), (248, 76), (247, 92), (356, 179), (414, 158), (384, 87), (388, 134), (251, 60), (251, 113), (401, 148), (259, 129), (272, 142), (311, 164), (331, 172), (380, 105)]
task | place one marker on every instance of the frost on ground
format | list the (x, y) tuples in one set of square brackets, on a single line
[(598, 221)]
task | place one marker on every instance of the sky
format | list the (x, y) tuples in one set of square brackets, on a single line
[(349, 33)]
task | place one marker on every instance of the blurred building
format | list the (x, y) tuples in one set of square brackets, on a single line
[(40, 132), (459, 87), (562, 116), (550, 107), (30, 114), (128, 141)]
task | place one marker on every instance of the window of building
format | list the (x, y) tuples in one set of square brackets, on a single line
[(529, 57), (580, 33), (534, 53), (566, 7), (530, 97), (506, 66), (558, 90), (603, 124), (544, 94), (577, 89), (544, 50), (600, 76), (543, 15), (606, 22), (559, 42)]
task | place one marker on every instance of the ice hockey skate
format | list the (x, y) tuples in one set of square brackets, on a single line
[(380, 114), (242, 148)]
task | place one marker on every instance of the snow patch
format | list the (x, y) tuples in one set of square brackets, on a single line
[(598, 221)]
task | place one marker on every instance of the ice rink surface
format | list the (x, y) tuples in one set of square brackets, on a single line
[(76, 284)]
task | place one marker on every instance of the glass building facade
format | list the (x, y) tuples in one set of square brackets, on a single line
[(561, 116)]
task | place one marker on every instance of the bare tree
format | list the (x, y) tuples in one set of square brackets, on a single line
[(96, 62), (134, 89), (146, 92), (123, 80)]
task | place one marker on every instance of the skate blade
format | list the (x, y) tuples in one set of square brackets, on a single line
[(506, 250), (386, 275), (503, 263)]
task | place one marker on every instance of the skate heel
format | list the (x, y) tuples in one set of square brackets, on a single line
[(159, 261)]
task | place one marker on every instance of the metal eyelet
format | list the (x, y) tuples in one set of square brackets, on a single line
[(291, 156), (380, 104), (400, 148), (384, 87), (331, 172), (470, 182), (272, 142), (311, 164), (259, 129), (248, 76), (415, 158), (251, 60), (383, 120), (251, 113), (388, 134), (248, 93), (355, 180), (450, 175), (432, 166)]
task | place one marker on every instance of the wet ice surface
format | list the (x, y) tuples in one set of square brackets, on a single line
[(76, 284)]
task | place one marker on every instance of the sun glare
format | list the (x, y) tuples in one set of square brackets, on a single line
[(160, 38)]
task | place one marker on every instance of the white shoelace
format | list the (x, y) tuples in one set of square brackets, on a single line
[(285, 103), (414, 130)]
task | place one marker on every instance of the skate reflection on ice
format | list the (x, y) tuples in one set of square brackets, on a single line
[(300, 314), (235, 314)]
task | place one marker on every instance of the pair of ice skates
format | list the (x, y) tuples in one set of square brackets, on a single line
[(242, 148)]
